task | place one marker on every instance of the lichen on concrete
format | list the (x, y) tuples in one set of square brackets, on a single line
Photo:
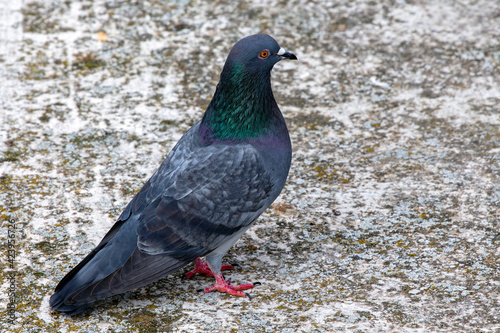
[(389, 220)]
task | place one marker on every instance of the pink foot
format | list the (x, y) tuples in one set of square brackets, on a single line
[(201, 267), (224, 286)]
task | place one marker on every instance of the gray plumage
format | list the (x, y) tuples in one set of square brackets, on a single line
[(207, 192)]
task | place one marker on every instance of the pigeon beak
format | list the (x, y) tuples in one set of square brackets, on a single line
[(285, 54)]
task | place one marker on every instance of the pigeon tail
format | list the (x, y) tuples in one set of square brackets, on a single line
[(73, 301)]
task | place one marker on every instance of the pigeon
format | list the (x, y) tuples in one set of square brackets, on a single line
[(221, 175)]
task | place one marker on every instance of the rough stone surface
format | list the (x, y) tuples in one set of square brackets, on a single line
[(389, 220)]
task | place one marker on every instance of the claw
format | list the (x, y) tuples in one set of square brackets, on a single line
[(228, 267), (224, 286)]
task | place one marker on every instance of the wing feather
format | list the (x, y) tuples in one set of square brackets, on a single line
[(205, 203)]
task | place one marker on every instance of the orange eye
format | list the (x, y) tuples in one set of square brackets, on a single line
[(264, 54)]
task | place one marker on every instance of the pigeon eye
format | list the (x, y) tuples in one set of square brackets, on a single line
[(264, 54)]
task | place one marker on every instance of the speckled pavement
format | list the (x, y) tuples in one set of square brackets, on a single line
[(389, 221)]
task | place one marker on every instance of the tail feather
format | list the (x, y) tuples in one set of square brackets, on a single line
[(115, 266), (139, 270)]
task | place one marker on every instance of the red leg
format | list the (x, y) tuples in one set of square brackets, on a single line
[(201, 267), (224, 286)]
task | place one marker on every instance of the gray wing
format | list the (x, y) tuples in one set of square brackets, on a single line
[(214, 193)]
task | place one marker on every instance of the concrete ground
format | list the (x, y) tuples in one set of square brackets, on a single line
[(389, 221)]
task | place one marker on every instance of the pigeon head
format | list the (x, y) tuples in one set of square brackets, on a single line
[(256, 54), (243, 106)]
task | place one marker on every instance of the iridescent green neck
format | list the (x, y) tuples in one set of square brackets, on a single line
[(242, 106)]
